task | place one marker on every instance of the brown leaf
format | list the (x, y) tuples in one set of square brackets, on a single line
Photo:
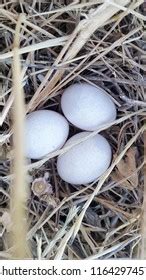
[(125, 168)]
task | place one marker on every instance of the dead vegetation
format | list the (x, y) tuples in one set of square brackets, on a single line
[(62, 42)]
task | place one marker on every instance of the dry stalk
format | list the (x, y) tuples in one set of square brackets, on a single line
[(113, 249), (19, 191), (73, 211), (46, 44)]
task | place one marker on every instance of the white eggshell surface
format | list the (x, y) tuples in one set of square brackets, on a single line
[(87, 107), (86, 161), (45, 132)]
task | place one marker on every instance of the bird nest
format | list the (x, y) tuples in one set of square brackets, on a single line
[(44, 47)]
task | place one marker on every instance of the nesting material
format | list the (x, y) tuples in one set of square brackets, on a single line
[(86, 161), (100, 44)]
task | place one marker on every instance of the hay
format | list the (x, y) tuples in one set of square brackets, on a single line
[(19, 189), (62, 42)]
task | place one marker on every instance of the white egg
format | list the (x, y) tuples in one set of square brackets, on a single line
[(86, 161), (87, 107), (45, 132)]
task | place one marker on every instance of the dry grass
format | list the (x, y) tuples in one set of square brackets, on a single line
[(19, 195), (61, 42)]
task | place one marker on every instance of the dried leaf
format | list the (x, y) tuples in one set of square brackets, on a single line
[(125, 168)]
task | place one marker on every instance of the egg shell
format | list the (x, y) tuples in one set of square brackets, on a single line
[(86, 161), (45, 132), (87, 107)]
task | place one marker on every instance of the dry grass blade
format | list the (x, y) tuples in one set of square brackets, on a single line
[(72, 213), (19, 190), (114, 249), (46, 44)]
